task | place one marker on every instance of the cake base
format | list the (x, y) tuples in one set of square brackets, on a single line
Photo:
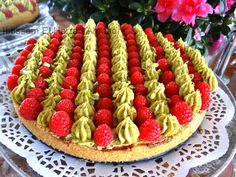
[(122, 154)]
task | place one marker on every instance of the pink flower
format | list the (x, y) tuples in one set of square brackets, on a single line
[(187, 10), (229, 3), (164, 9), (198, 35)]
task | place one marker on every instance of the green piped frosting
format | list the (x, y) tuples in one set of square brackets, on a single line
[(125, 110), (157, 93), (84, 109), (169, 124), (124, 95), (194, 100), (186, 88), (160, 107), (45, 116), (86, 96), (85, 84)]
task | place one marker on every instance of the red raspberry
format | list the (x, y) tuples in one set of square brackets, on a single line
[(29, 47), (73, 63), (102, 42), (134, 63), (149, 32), (140, 89), (104, 90), (163, 64), (183, 112), (20, 60), (159, 51), (70, 82), (104, 60), (167, 77), (55, 41), (47, 60), (185, 57), (40, 83), (104, 47), (154, 43), (197, 77), (170, 37), (12, 81), (45, 71), (132, 49), (58, 31), (131, 42), (104, 79), (68, 94), (103, 68), (66, 105), (191, 69), (140, 101), (30, 109), (177, 46), (57, 35), (60, 124), (136, 78), (8, 13), (143, 113), (103, 116), (102, 35), (104, 103), (53, 48), (125, 26), (20, 7), (24, 53), (101, 25), (134, 69), (49, 53), (77, 49), (79, 27), (205, 91), (79, 36), (133, 55), (36, 93), (128, 31), (73, 71), (172, 88), (130, 36), (16, 69), (103, 135), (174, 99), (76, 56), (150, 131), (104, 53), (189, 63)]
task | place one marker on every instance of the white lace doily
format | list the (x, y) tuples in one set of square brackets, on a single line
[(212, 143)]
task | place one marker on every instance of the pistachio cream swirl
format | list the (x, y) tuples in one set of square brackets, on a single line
[(160, 107), (125, 110), (194, 100), (169, 124)]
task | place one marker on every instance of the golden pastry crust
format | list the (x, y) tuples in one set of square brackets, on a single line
[(123, 154), (20, 19)]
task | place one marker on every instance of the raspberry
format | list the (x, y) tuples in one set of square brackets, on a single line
[(76, 56), (79, 43), (101, 25), (131, 42), (16, 69), (130, 36), (60, 124), (79, 27), (154, 43), (189, 63), (24, 53), (47, 60), (133, 55), (56, 35), (140, 89), (163, 64), (68, 94), (150, 131), (12, 81), (30, 109), (104, 79), (66, 105), (104, 60), (104, 103), (205, 91), (185, 57), (125, 26), (29, 47), (53, 48), (134, 69), (73, 63), (77, 49), (79, 36), (197, 77), (8, 13), (55, 41), (149, 32), (103, 116), (152, 40), (132, 49), (174, 99), (103, 68), (177, 46), (159, 51), (104, 90), (102, 42), (49, 53), (167, 77), (103, 135), (140, 101), (172, 88), (143, 113), (102, 35), (20, 60), (170, 37), (20, 7), (136, 78), (104, 47), (191, 69), (206, 102), (40, 83), (134, 63), (183, 112), (73, 71), (70, 82), (104, 53), (45, 71), (36, 93), (128, 31)]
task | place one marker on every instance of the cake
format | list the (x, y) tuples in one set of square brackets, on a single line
[(112, 93), (16, 13)]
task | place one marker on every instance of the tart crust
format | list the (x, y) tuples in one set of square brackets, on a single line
[(123, 154), (20, 19)]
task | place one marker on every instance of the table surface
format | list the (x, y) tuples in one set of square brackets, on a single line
[(6, 170)]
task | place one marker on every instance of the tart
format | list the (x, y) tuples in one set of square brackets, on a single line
[(112, 93), (16, 13)]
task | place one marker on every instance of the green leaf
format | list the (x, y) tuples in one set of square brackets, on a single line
[(151, 2), (199, 45), (135, 5), (140, 9), (137, 20), (225, 30), (189, 38), (97, 16), (222, 7), (96, 3)]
